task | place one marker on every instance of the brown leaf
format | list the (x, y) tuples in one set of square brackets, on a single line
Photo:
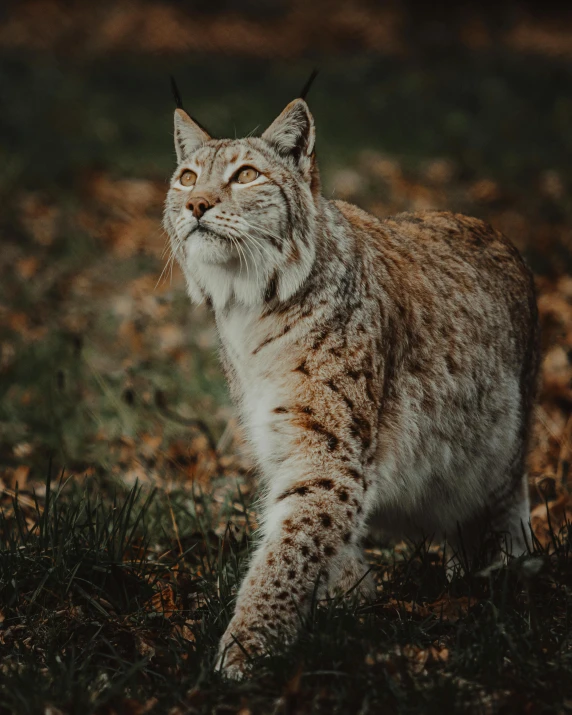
[(144, 648), (163, 602), (439, 654), (184, 631), (416, 658), (450, 609), (27, 267)]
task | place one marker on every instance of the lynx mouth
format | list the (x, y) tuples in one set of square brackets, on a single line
[(207, 232)]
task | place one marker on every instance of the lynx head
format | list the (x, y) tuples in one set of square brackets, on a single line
[(241, 213)]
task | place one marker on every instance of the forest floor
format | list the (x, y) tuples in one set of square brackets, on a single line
[(127, 505)]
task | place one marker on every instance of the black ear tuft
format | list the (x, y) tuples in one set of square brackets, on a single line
[(308, 85), (179, 102), (176, 93)]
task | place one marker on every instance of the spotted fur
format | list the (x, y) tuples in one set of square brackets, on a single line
[(379, 367)]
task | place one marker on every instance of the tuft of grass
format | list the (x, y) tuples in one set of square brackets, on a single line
[(94, 605), (115, 601)]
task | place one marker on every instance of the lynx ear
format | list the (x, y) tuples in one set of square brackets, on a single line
[(188, 134), (293, 134)]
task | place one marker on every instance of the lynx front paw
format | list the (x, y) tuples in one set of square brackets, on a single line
[(232, 663), (236, 648)]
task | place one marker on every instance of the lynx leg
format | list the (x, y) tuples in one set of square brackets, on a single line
[(502, 530), (351, 573), (514, 523), (310, 525)]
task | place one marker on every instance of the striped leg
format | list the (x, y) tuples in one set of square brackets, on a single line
[(311, 527)]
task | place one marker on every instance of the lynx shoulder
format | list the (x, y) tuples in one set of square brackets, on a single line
[(382, 369)]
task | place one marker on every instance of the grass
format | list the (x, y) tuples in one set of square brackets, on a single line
[(107, 609)]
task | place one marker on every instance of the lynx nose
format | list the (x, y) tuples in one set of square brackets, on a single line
[(198, 205)]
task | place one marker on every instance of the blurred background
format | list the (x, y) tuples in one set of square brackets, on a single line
[(104, 365)]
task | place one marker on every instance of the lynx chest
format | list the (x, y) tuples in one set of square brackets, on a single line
[(260, 373)]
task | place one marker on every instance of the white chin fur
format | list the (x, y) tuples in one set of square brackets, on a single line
[(208, 249), (214, 269)]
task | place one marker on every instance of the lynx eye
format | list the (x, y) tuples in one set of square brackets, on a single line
[(188, 178), (246, 175)]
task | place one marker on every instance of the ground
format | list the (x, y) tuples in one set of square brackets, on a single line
[(128, 507)]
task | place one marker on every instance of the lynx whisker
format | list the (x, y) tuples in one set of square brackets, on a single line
[(258, 243), (241, 255), (169, 261), (263, 230), (245, 244)]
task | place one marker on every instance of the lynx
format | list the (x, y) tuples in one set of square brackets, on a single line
[(381, 368)]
